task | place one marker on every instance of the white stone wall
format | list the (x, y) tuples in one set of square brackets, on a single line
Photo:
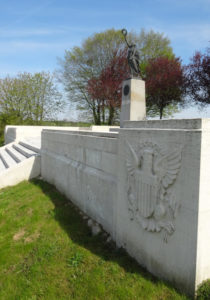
[(165, 244), (15, 133), (84, 168), (203, 230), (170, 124), (148, 186), (103, 128)]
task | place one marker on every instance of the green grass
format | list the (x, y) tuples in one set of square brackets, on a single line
[(48, 252)]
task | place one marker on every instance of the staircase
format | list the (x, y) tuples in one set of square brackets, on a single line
[(19, 161)]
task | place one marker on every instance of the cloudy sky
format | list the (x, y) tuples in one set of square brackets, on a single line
[(34, 33)]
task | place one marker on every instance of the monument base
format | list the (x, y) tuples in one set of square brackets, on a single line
[(133, 106)]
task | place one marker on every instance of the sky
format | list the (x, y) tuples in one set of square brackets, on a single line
[(35, 33)]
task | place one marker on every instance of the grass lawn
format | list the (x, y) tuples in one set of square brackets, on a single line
[(47, 252)]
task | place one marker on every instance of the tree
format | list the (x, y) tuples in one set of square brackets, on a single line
[(198, 77), (164, 83), (151, 45), (83, 63), (29, 97), (88, 62), (107, 88)]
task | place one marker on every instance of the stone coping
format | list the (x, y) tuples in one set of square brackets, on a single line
[(84, 132), (170, 124)]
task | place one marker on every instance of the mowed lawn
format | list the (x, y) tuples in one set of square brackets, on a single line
[(47, 252)]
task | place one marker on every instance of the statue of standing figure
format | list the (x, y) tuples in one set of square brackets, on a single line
[(133, 57)]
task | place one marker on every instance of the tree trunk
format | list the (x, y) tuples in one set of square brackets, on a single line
[(161, 112), (98, 115), (94, 115), (103, 113), (111, 115)]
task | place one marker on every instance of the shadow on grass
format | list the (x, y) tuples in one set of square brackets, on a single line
[(67, 215)]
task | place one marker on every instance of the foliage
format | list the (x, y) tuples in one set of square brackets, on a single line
[(107, 87), (47, 252), (151, 45), (65, 123), (168, 112), (164, 84), (75, 260), (83, 63), (6, 119), (87, 63), (29, 97), (198, 77), (203, 291)]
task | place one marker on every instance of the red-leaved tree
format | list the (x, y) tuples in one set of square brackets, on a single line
[(164, 83), (106, 88), (198, 77)]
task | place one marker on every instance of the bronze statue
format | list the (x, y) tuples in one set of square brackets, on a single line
[(133, 57)]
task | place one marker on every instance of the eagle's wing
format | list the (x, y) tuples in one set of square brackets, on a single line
[(168, 167), (132, 160)]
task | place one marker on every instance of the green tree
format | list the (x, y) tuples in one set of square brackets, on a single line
[(29, 98), (151, 45), (86, 62), (81, 64)]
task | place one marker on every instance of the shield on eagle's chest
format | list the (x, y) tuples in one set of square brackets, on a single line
[(147, 190)]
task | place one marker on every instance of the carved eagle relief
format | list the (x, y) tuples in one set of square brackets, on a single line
[(151, 171)]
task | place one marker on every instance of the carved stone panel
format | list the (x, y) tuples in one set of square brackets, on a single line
[(152, 171)]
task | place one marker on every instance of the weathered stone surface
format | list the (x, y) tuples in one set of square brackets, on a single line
[(90, 223), (177, 250), (84, 167), (133, 101), (170, 124), (95, 229), (109, 239)]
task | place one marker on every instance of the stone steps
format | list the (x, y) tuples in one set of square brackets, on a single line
[(30, 146), (15, 153), (7, 159), (23, 150), (18, 162), (2, 165)]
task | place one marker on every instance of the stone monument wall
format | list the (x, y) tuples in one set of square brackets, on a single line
[(148, 186), (83, 166)]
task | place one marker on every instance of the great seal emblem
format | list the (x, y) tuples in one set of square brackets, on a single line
[(151, 173)]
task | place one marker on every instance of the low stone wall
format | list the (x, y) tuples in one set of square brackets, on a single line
[(83, 166), (103, 128), (148, 186), (15, 133)]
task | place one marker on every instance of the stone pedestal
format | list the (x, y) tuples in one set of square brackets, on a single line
[(133, 106)]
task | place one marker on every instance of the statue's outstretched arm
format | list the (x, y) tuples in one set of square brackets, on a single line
[(124, 32)]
